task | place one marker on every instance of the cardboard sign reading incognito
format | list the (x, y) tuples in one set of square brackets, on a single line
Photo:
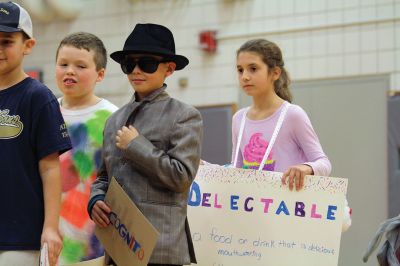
[(130, 238)]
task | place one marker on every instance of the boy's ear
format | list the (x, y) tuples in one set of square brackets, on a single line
[(100, 75), (170, 68), (29, 44)]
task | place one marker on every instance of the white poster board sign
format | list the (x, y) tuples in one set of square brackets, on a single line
[(246, 217)]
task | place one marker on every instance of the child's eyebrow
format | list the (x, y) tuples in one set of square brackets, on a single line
[(7, 35), (248, 65), (252, 64), (80, 61), (65, 58)]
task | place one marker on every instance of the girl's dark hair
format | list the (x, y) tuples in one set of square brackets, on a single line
[(271, 55)]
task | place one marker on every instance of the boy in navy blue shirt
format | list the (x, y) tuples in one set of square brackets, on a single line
[(32, 135)]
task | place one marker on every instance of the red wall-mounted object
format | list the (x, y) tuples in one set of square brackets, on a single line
[(208, 40), (35, 73)]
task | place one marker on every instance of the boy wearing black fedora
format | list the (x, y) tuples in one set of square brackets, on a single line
[(152, 145)]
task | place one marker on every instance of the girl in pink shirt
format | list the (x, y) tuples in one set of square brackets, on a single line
[(273, 134)]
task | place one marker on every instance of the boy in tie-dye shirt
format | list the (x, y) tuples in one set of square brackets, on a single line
[(80, 63)]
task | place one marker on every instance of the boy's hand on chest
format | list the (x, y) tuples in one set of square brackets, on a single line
[(124, 136)]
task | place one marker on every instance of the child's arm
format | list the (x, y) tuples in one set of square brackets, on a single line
[(317, 163), (100, 212), (308, 141), (49, 169), (175, 168), (294, 176), (97, 209)]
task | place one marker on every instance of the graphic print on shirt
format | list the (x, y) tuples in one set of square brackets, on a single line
[(10, 125), (254, 152), (78, 170)]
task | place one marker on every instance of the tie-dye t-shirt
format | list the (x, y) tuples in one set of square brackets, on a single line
[(297, 142), (78, 171)]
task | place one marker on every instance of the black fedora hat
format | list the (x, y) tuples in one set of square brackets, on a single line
[(151, 39)]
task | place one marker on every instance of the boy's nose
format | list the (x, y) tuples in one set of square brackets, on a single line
[(136, 69), (245, 77), (70, 70)]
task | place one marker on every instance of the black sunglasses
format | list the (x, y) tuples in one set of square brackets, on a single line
[(146, 64)]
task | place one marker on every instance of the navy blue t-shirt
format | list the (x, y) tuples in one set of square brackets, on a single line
[(31, 127)]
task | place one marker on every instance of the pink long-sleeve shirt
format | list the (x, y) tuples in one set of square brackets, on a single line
[(296, 143)]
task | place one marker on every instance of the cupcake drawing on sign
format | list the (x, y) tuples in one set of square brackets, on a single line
[(254, 152)]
